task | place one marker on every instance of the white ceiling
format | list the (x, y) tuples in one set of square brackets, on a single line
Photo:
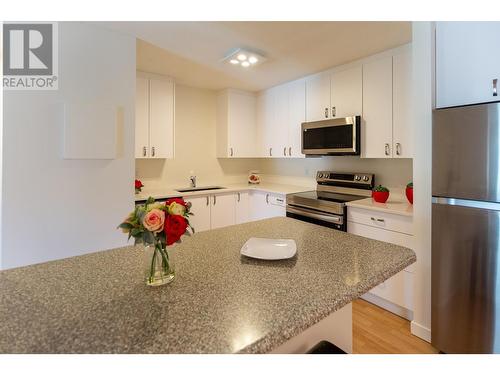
[(191, 52)]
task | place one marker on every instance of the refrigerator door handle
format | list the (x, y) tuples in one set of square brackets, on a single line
[(466, 203)]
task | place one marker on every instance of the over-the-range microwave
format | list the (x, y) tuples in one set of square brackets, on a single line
[(338, 136)]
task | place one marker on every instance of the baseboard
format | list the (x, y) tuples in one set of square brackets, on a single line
[(389, 306), (420, 331)]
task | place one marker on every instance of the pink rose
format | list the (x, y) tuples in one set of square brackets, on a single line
[(153, 220)]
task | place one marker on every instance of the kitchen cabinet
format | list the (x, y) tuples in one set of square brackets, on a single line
[(318, 97), (236, 124), (346, 92), (281, 112), (223, 208), (396, 293), (154, 117), (376, 127), (402, 126), (242, 207), (264, 205), (467, 63), (200, 206), (386, 129)]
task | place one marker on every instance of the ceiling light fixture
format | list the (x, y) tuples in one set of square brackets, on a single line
[(244, 57)]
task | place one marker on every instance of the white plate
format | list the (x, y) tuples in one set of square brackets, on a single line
[(269, 248)]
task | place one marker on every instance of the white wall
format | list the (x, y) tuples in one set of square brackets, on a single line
[(54, 208), (423, 83), (195, 147)]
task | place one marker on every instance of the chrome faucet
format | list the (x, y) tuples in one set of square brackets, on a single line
[(193, 181)]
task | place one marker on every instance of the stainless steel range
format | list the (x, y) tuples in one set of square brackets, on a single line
[(326, 205)]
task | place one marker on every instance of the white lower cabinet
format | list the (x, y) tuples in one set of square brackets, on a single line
[(200, 206), (221, 210), (264, 205), (396, 293)]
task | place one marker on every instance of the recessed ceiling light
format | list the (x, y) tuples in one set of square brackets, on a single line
[(244, 57)]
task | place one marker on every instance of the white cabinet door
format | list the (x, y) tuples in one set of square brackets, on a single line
[(467, 62), (241, 124), (347, 92), (264, 205), (242, 213), (376, 137), (200, 207), (279, 141), (161, 121), (142, 118), (296, 116), (402, 128), (318, 97), (222, 211), (266, 121)]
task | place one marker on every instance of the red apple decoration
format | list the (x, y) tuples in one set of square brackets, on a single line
[(409, 192), (380, 194)]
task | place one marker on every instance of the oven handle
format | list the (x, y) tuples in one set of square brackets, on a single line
[(312, 214)]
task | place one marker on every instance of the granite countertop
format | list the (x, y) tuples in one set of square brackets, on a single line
[(169, 192), (220, 302), (397, 205)]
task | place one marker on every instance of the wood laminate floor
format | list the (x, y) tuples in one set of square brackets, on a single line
[(377, 331)]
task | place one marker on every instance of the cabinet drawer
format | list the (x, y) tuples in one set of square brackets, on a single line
[(396, 238), (398, 290), (382, 220)]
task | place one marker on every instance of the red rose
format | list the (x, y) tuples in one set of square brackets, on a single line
[(138, 184), (175, 227), (176, 200)]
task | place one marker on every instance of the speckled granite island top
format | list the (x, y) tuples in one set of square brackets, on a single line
[(219, 302)]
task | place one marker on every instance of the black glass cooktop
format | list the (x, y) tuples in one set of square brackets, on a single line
[(330, 197)]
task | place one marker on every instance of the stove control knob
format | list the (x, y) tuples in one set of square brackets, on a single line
[(365, 178), (357, 178)]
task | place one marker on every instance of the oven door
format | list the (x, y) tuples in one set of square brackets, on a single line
[(316, 217), (340, 136)]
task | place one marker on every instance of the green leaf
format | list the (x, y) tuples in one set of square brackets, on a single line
[(125, 225)]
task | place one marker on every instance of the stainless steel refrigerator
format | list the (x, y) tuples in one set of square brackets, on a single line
[(466, 229)]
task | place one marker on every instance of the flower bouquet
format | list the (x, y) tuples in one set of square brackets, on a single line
[(158, 225)]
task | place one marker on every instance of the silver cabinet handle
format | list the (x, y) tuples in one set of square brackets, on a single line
[(267, 198), (215, 200), (398, 148), (239, 197), (326, 112), (387, 149), (208, 200), (495, 81), (289, 151), (231, 151), (270, 151), (379, 220), (144, 151), (284, 151), (334, 111), (153, 151)]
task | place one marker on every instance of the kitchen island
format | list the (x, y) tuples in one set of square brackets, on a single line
[(220, 302)]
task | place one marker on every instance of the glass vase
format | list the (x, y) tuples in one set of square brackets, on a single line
[(159, 267)]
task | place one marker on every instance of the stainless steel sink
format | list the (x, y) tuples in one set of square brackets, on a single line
[(201, 188)]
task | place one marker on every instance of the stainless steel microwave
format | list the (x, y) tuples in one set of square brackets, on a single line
[(338, 136)]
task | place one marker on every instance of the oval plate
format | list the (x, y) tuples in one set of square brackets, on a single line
[(269, 248)]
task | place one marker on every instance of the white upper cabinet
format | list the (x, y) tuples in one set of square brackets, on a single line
[(346, 92), (467, 62), (236, 124), (296, 116), (402, 129), (154, 117), (318, 97), (376, 127)]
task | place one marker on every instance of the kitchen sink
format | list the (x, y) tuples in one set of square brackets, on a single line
[(201, 188)]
